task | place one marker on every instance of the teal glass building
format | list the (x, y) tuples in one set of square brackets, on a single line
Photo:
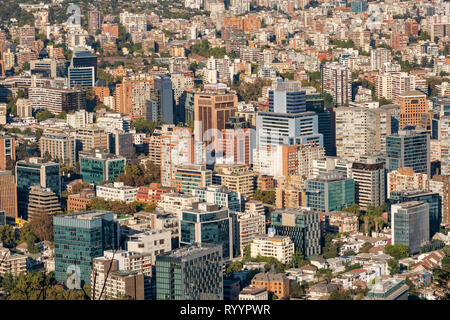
[(302, 226), (330, 192), (190, 273), (101, 167), (205, 223), (434, 202), (35, 172), (408, 148), (219, 195), (81, 237), (410, 225)]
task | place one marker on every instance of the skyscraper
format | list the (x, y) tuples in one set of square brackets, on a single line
[(8, 194), (410, 224), (93, 22), (35, 172), (302, 226), (370, 183), (408, 148), (190, 273), (205, 223), (7, 152), (212, 109), (413, 105), (330, 192), (337, 81), (434, 205), (287, 121), (163, 85), (79, 238)]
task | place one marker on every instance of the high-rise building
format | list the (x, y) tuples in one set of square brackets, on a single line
[(93, 22), (84, 59), (80, 119), (248, 225), (410, 224), (57, 100), (121, 277), (235, 177), (404, 179), (59, 145), (330, 192), (190, 273), (42, 201), (205, 223), (176, 148), (408, 148), (337, 81), (370, 183), (302, 226), (90, 138), (101, 167), (355, 132), (35, 172), (278, 247), (434, 205), (190, 177), (327, 121), (219, 195), (441, 185), (79, 238), (378, 57), (27, 36), (287, 121), (212, 109), (238, 142), (136, 97), (121, 143), (8, 195), (164, 87), (413, 105), (7, 152)]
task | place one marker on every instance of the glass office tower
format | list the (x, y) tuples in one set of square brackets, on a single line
[(330, 192), (79, 238), (205, 223), (302, 226), (434, 202), (190, 273), (408, 148), (101, 167), (410, 225), (35, 172)]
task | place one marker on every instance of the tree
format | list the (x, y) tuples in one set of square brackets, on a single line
[(394, 267), (296, 290), (331, 249), (7, 236), (42, 226), (265, 196), (44, 115), (324, 274), (142, 125), (235, 267), (366, 247), (348, 253), (397, 251), (298, 260), (340, 295)]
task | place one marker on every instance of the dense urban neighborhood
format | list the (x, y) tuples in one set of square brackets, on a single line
[(224, 150)]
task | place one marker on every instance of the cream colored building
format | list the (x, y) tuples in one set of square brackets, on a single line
[(406, 179), (236, 177), (278, 247)]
